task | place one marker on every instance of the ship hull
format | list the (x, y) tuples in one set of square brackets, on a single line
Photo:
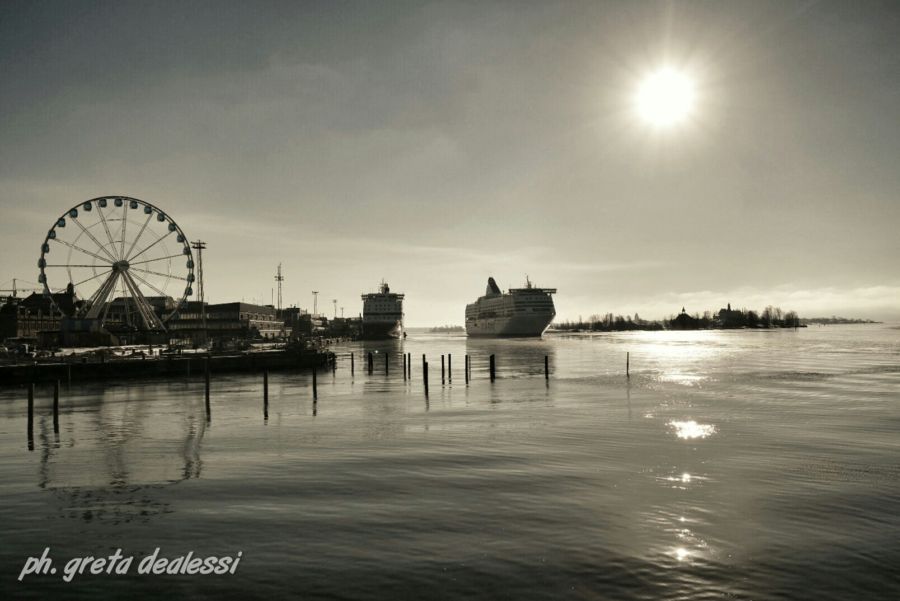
[(521, 326), (382, 330)]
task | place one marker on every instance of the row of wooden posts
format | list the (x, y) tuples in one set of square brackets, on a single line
[(446, 367), (446, 373), (446, 376)]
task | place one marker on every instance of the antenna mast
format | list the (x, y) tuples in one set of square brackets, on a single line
[(279, 278), (199, 245)]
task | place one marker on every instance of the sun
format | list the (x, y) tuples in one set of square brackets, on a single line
[(665, 97)]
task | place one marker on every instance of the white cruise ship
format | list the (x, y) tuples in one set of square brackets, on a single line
[(382, 314), (518, 312)]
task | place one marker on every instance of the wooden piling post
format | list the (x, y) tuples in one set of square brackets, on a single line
[(493, 368), (315, 389), (449, 368), (352, 366), (442, 370), (31, 407), (466, 369), (425, 376), (628, 365), (424, 364), (56, 406), (266, 394), (404, 367), (371, 363), (409, 365), (206, 379), (546, 367), (385, 364)]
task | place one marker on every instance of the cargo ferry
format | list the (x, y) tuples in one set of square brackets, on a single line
[(524, 311), (382, 314)]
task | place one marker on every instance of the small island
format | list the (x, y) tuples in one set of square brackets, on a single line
[(725, 319)]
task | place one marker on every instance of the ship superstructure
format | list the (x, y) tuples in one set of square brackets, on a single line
[(518, 312), (382, 313)]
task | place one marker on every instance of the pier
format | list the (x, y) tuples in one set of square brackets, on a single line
[(71, 368)]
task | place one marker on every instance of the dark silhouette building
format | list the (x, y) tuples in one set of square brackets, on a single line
[(684, 322), (28, 317)]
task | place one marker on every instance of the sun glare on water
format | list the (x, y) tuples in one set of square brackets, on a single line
[(691, 429), (665, 97)]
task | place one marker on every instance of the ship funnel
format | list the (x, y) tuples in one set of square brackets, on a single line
[(492, 288)]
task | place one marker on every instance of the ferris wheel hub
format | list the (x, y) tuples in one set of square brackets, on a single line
[(120, 266)]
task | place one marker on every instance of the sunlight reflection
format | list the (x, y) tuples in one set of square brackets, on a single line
[(682, 554), (691, 429), (678, 357), (692, 344), (681, 479), (678, 377)]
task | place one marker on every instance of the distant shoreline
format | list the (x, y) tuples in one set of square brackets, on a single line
[(835, 321), (446, 329)]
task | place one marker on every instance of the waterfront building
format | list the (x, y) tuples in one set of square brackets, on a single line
[(226, 322), (28, 317)]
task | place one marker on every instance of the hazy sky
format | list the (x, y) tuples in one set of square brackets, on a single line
[(435, 144)]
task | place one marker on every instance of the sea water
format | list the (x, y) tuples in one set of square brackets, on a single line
[(729, 465)]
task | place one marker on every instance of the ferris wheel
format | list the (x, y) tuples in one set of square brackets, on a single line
[(126, 260)]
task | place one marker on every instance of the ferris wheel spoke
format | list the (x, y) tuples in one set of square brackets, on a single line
[(149, 285), (164, 275), (155, 242), (102, 273), (138, 237), (152, 260), (112, 244), (69, 265), (124, 225), (87, 252), (92, 237)]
